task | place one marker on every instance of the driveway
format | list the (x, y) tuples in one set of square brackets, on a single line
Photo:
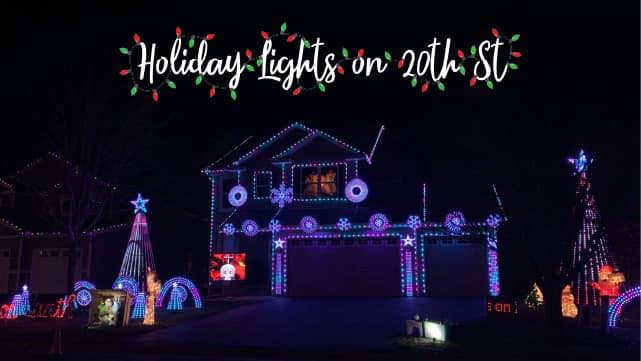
[(328, 324)]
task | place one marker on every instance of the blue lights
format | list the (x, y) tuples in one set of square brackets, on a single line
[(454, 222), (343, 224), (282, 195), (250, 228), (229, 229), (274, 226), (237, 196), (356, 190), (308, 224), (414, 222)]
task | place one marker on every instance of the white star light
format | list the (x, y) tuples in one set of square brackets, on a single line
[(408, 241), (140, 204), (279, 243)]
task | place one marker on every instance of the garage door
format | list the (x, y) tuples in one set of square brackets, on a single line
[(456, 270), (343, 268)]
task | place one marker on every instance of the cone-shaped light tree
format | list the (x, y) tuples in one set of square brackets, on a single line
[(590, 251), (139, 256)]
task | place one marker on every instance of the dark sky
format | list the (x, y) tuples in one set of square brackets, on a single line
[(577, 86)]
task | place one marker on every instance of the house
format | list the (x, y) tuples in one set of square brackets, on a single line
[(34, 247), (296, 213)]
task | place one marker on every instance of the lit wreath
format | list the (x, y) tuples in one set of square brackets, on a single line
[(356, 190), (237, 196)]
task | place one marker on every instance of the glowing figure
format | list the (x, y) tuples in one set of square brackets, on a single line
[(228, 272), (153, 289), (568, 308)]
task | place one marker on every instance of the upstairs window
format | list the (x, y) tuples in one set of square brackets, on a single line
[(262, 184), (319, 182)]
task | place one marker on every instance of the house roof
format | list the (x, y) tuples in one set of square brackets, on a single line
[(286, 142)]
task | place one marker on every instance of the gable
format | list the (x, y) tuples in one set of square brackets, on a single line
[(318, 148)]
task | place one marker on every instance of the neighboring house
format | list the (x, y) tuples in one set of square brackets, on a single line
[(300, 206), (34, 249)]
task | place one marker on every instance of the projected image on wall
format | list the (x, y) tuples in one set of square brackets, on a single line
[(227, 267)]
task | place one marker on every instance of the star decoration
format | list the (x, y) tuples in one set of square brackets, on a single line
[(282, 195), (140, 204), (408, 241), (581, 162), (279, 243)]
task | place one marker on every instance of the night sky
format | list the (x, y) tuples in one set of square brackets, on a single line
[(577, 86)]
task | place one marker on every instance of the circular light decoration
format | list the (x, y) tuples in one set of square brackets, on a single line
[(237, 196), (308, 224), (274, 226), (83, 297), (378, 222), (229, 229), (250, 228), (414, 222), (454, 221), (356, 190), (493, 220), (343, 224)]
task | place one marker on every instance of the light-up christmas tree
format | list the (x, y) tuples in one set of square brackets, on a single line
[(139, 306), (175, 301), (590, 251), (139, 256), (25, 299)]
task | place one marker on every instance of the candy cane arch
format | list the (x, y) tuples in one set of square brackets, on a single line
[(183, 282), (615, 309)]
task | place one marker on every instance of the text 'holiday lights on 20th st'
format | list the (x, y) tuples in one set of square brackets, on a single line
[(313, 68)]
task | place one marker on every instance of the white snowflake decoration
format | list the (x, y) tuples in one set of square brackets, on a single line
[(229, 229), (343, 224), (282, 195), (414, 222)]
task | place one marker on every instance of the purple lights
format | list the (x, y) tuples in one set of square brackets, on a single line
[(250, 228), (356, 190), (615, 309), (378, 222), (308, 224), (493, 221), (454, 221)]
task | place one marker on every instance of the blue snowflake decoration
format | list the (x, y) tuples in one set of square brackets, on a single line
[(250, 228), (378, 222), (493, 221), (83, 297), (454, 222), (308, 224), (282, 195), (414, 222), (343, 224), (274, 226), (229, 229)]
